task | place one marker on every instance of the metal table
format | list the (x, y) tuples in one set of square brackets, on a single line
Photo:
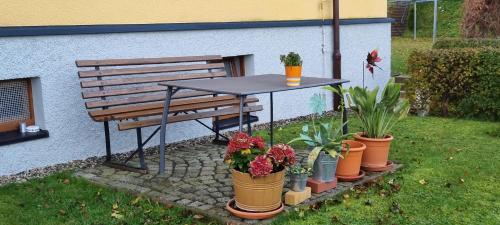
[(240, 87)]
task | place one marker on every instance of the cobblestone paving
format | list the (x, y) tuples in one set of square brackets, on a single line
[(196, 178)]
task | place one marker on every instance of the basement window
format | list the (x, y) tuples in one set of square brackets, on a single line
[(16, 107)]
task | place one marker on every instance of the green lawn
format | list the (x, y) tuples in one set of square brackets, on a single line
[(451, 176), (449, 19), (401, 49)]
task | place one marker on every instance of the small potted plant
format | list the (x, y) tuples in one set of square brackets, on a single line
[(325, 142), (258, 173), (377, 116), (293, 68), (298, 177)]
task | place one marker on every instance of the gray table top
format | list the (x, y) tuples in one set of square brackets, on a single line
[(250, 85)]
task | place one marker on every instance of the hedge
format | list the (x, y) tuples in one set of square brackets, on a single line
[(461, 82), (448, 43)]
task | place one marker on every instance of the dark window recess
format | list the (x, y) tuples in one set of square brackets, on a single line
[(16, 106), (235, 66), (13, 137)]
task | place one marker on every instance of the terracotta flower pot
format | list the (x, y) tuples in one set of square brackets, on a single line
[(259, 194), (349, 165), (293, 75), (376, 152)]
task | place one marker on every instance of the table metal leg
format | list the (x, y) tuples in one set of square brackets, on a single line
[(242, 101), (163, 130), (272, 120)]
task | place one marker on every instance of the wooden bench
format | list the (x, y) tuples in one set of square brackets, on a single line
[(127, 91)]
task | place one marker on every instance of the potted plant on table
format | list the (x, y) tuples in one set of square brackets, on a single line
[(377, 116), (293, 68), (298, 177), (258, 173)]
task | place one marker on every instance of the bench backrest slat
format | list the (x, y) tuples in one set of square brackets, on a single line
[(146, 61), (144, 70)]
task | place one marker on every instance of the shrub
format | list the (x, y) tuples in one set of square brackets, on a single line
[(466, 43), (481, 18), (461, 82)]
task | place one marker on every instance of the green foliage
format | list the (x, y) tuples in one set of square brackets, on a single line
[(292, 59), (378, 115), (325, 137), (449, 19), (459, 82), (448, 43), (299, 170)]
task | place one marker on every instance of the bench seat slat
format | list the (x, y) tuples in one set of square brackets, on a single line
[(145, 70), (145, 61), (173, 119), (173, 109), (133, 108), (143, 99)]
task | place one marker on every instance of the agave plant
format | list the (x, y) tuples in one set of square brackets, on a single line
[(378, 115), (325, 137)]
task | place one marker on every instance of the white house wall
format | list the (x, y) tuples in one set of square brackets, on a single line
[(73, 135)]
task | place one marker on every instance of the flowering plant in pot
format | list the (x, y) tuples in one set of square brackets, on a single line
[(258, 173), (377, 116), (298, 177), (293, 68)]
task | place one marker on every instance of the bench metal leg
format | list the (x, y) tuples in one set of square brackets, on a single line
[(108, 141), (140, 149), (249, 124), (163, 130)]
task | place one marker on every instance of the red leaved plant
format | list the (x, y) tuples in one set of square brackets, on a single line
[(248, 155)]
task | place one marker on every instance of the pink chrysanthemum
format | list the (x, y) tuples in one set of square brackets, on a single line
[(260, 166), (282, 154), (258, 142)]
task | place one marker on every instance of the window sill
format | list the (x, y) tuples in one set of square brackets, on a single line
[(12, 137)]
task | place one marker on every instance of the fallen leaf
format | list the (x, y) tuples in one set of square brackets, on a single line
[(198, 216), (422, 182), (462, 180), (115, 206), (66, 181), (346, 196), (451, 157), (62, 212), (391, 181), (136, 200), (116, 215)]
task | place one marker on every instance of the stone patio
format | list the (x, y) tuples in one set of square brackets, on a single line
[(197, 179)]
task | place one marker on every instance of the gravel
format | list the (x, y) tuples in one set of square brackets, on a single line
[(93, 161)]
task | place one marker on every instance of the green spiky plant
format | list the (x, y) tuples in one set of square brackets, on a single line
[(292, 59), (378, 115), (325, 137)]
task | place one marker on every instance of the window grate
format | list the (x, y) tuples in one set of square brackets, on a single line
[(15, 102)]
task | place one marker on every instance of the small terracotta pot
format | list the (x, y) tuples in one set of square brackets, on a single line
[(260, 194), (349, 165), (293, 75), (376, 152)]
